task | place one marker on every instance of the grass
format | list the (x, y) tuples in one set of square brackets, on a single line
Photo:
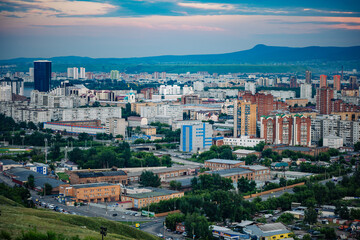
[(63, 176), (15, 219)]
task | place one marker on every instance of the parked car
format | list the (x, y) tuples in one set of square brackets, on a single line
[(160, 235), (114, 214)]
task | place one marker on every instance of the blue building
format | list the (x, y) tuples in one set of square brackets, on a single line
[(196, 137), (42, 75)]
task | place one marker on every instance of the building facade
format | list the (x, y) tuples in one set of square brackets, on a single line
[(196, 137), (323, 100), (244, 118), (42, 75)]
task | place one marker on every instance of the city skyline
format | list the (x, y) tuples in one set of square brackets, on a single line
[(149, 28)]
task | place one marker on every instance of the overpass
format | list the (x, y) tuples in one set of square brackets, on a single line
[(143, 147)]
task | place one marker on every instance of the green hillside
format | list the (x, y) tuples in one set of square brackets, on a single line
[(16, 219)]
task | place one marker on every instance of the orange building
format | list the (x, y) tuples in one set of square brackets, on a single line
[(323, 81), (92, 192), (244, 118), (337, 83)]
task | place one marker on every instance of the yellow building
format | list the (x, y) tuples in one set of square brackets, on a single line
[(299, 101), (271, 231), (244, 118), (148, 130), (348, 116)]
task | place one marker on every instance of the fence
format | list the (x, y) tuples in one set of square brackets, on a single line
[(273, 190)]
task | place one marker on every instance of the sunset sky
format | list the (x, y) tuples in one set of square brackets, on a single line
[(131, 28)]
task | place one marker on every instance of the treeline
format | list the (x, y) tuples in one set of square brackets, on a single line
[(17, 194), (119, 156), (8, 124), (222, 152)]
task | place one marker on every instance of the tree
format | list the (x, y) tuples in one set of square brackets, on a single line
[(310, 216), (139, 141), (197, 225), (175, 185), (357, 146), (328, 232), (149, 179), (245, 185), (48, 189), (172, 219), (31, 181), (286, 218), (282, 182)]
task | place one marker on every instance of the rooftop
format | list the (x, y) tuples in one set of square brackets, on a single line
[(230, 172), (225, 161), (8, 162), (255, 167), (93, 185), (267, 230), (244, 151), (155, 192), (100, 174)]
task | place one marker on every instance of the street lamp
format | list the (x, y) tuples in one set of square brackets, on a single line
[(103, 232)]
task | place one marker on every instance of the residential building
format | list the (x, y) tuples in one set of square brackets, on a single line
[(219, 164), (244, 118), (308, 77), (306, 91), (198, 86), (114, 75), (353, 82), (337, 83), (85, 176), (293, 82), (251, 87), (91, 192), (82, 74), (155, 195), (323, 100), (244, 141), (134, 121), (323, 81), (116, 126), (148, 130), (286, 129), (169, 90), (196, 137), (333, 141), (90, 113), (260, 173), (42, 75)]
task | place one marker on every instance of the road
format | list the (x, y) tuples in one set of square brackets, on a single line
[(175, 158)]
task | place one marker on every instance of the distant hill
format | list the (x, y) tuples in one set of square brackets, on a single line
[(258, 55)]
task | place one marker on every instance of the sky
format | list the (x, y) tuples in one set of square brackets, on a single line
[(136, 28)]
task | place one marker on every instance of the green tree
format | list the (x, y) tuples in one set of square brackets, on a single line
[(139, 141), (310, 216), (48, 189), (149, 179), (172, 219), (197, 225), (282, 182), (328, 232), (286, 218), (175, 185), (244, 185), (357, 146), (31, 181)]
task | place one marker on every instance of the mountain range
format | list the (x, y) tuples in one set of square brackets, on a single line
[(260, 58)]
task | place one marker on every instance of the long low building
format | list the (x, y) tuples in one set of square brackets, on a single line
[(165, 173), (234, 174), (219, 164), (156, 195), (81, 177), (91, 192), (20, 176)]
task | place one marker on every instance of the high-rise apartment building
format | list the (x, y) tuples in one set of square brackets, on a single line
[(293, 82), (353, 82), (114, 75), (286, 129), (323, 81), (196, 137), (250, 86), (337, 82), (306, 91), (323, 100), (42, 75), (308, 77), (244, 118), (82, 74), (75, 73)]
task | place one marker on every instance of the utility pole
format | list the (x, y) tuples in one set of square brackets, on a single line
[(46, 144)]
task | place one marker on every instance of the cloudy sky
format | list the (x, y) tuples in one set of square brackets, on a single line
[(131, 28)]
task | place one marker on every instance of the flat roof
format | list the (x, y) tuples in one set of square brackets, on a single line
[(255, 167), (267, 230), (100, 174), (244, 151), (230, 172), (92, 185), (162, 170), (225, 161), (156, 192)]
